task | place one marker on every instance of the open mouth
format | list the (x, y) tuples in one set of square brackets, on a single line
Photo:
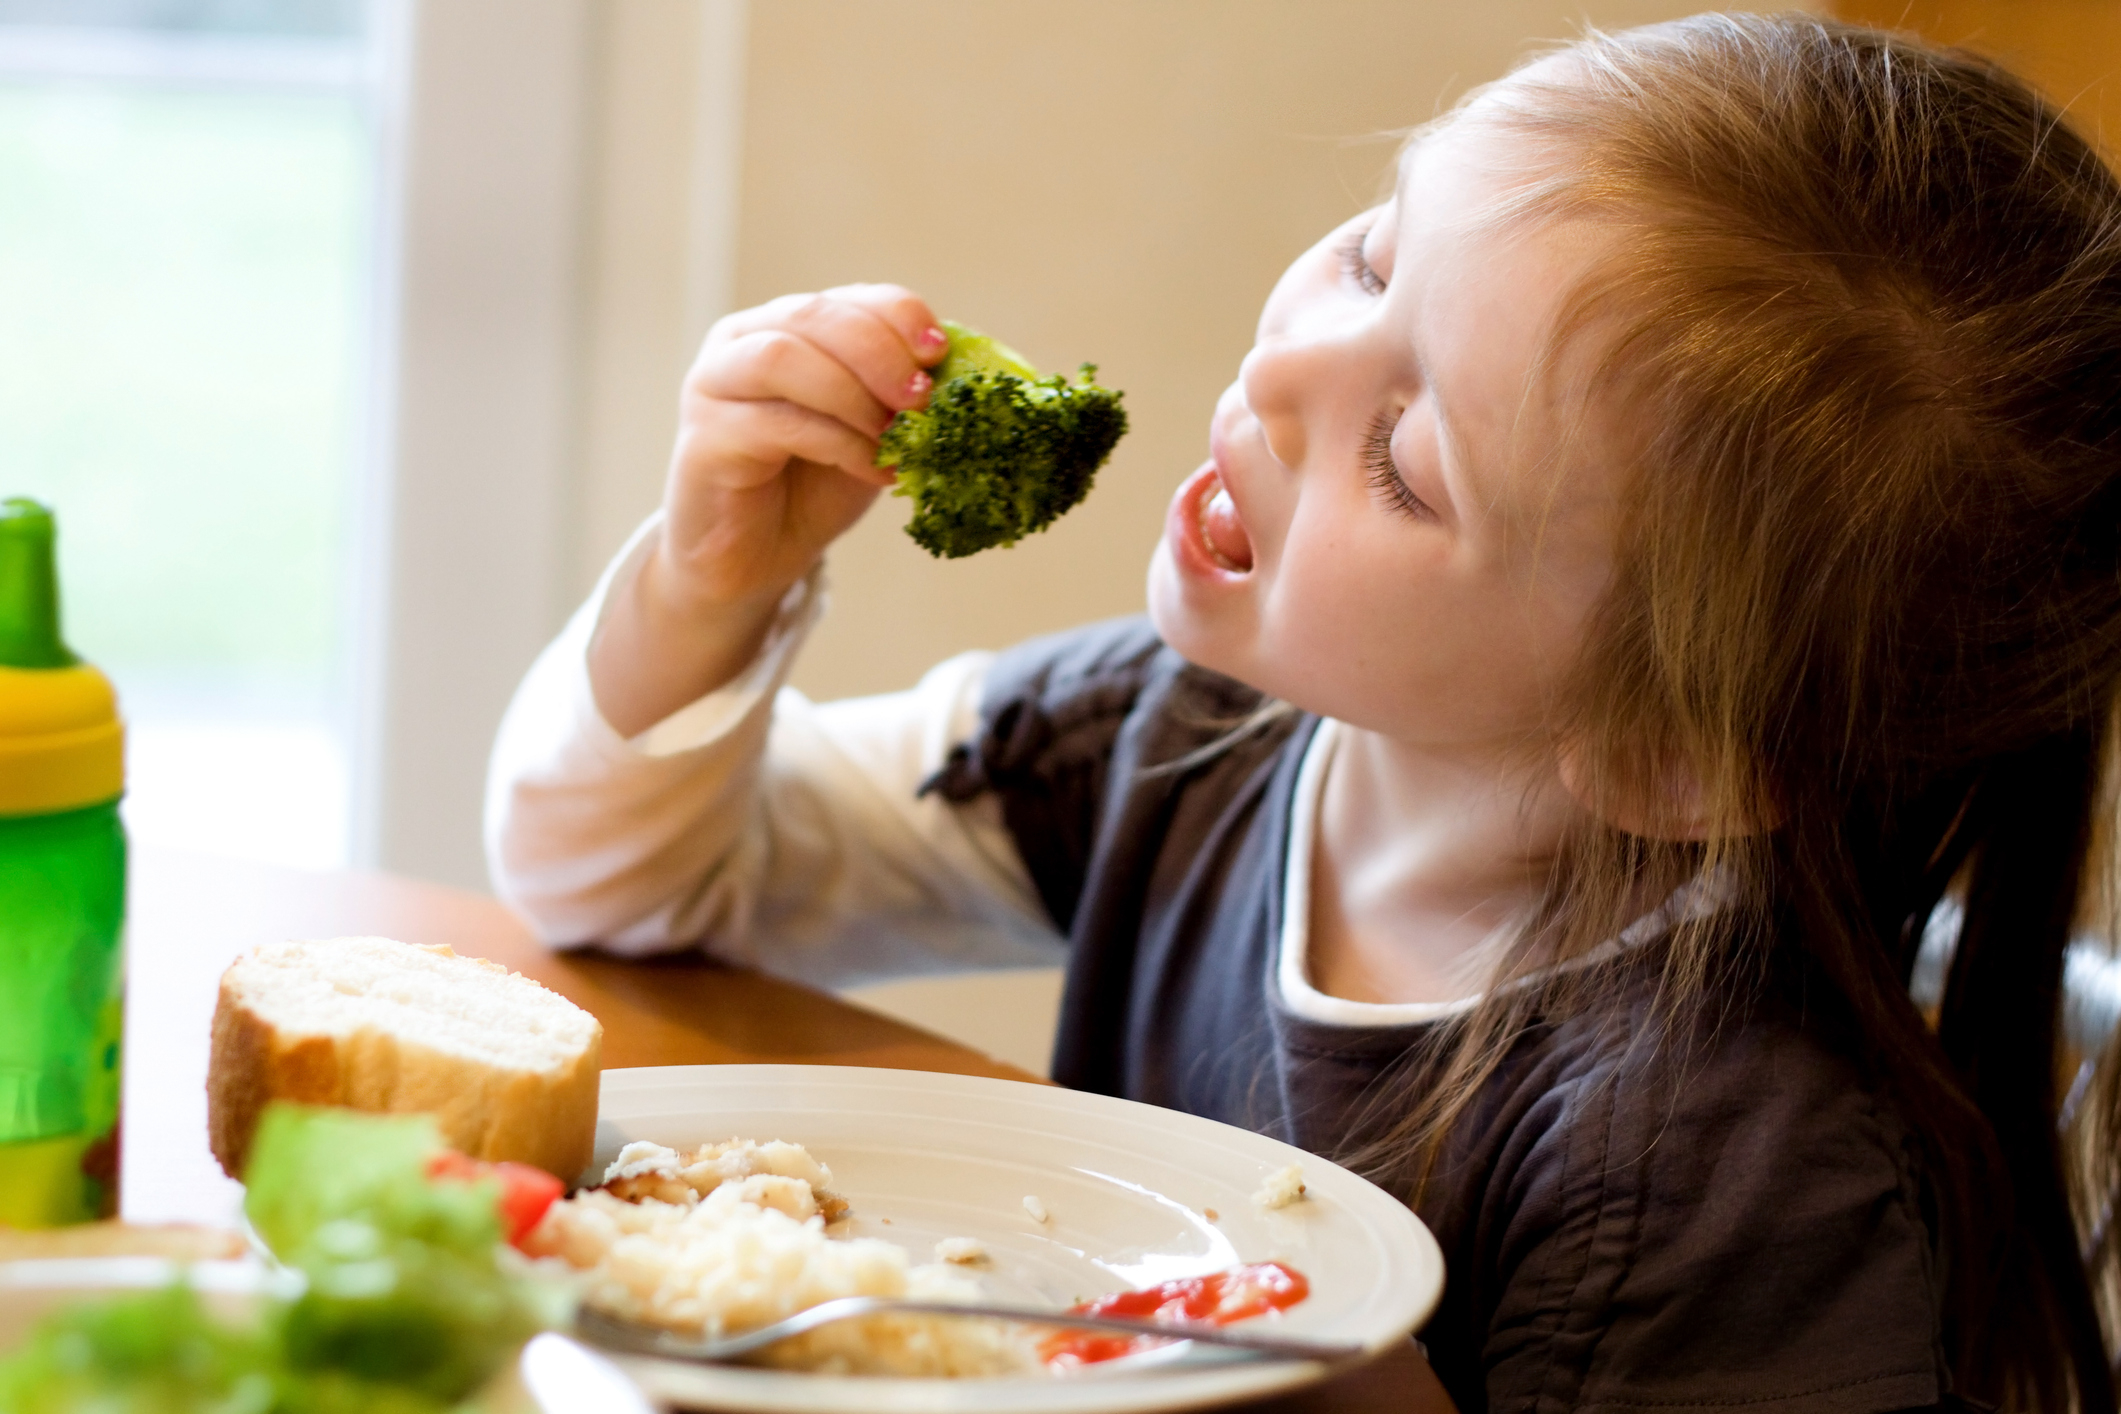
[(1221, 530), (1204, 533)]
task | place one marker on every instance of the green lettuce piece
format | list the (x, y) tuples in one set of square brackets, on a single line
[(404, 1282), (162, 1352), (311, 1168), (140, 1355)]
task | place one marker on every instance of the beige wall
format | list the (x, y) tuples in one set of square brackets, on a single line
[(2070, 49), (1109, 180)]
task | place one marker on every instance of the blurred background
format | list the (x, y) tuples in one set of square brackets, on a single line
[(184, 248), (344, 334)]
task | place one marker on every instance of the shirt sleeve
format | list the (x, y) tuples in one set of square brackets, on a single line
[(773, 831)]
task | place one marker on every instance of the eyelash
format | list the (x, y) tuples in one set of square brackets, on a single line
[(1384, 477), (1356, 267)]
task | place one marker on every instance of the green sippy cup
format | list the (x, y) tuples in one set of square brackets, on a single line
[(62, 900)]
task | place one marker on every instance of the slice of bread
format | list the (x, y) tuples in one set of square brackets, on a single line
[(507, 1068)]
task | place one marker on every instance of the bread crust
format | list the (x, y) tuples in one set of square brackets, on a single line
[(543, 1118)]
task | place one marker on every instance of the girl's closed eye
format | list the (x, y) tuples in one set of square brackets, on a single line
[(1357, 265), (1384, 477)]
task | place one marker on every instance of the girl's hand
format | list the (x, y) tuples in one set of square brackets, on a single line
[(777, 435), (775, 456)]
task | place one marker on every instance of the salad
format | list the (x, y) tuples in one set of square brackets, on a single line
[(408, 1297)]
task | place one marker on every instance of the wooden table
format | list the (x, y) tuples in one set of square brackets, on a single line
[(192, 914)]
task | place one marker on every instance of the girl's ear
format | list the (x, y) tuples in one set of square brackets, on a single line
[(1662, 802)]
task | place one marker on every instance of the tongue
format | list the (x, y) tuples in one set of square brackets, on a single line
[(1224, 532)]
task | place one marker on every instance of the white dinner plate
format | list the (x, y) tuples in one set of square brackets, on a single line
[(1134, 1195)]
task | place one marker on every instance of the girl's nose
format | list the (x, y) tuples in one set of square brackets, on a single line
[(1285, 379)]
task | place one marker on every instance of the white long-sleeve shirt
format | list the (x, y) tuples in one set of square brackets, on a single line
[(773, 831)]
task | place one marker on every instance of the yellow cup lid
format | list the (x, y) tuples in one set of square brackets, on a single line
[(61, 743)]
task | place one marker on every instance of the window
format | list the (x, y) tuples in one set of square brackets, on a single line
[(186, 189)]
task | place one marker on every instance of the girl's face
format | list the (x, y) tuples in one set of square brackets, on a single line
[(1402, 523)]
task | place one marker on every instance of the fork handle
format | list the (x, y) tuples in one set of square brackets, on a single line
[(616, 1333)]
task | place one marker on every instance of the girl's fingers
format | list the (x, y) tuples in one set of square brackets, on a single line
[(907, 314), (854, 324), (749, 443), (781, 365), (810, 378), (884, 334)]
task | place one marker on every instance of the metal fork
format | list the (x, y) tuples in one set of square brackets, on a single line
[(615, 1333)]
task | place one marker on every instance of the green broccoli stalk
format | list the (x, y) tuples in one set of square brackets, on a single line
[(999, 452)]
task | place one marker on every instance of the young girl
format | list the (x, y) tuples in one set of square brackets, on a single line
[(1637, 570)]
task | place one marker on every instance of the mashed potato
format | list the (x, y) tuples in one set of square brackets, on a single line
[(1281, 1187), (730, 1237)]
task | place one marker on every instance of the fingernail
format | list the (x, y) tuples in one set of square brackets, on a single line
[(918, 385), (933, 338)]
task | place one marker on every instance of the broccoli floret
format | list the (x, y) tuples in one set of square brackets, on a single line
[(999, 452)]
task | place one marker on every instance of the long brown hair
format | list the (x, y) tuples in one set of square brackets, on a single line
[(1867, 603)]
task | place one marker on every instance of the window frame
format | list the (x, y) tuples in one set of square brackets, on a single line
[(539, 292)]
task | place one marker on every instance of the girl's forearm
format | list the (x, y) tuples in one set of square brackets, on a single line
[(657, 649)]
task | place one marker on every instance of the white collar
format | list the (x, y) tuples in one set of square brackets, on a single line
[(1292, 966)]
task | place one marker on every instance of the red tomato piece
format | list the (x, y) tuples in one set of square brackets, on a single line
[(526, 1192), (1216, 1299)]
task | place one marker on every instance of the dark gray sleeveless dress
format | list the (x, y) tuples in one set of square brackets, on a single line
[(1731, 1223)]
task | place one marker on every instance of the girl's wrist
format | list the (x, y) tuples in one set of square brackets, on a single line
[(661, 644), (706, 604)]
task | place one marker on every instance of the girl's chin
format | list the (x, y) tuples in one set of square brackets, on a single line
[(1188, 616), (1197, 599)]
